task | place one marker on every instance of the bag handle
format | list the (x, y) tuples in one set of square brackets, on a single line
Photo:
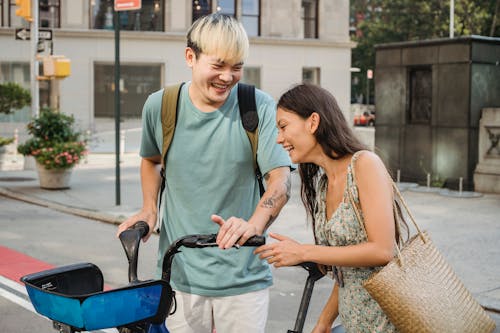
[(396, 213), (399, 196)]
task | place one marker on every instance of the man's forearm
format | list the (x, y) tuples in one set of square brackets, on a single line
[(150, 183), (278, 190)]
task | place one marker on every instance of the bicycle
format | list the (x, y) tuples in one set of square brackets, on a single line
[(73, 296)]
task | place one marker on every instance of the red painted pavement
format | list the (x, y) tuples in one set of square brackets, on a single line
[(14, 265)]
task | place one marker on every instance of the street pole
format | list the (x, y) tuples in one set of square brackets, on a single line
[(452, 18), (35, 97), (117, 106), (367, 90)]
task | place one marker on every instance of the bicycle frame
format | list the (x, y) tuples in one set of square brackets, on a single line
[(72, 296)]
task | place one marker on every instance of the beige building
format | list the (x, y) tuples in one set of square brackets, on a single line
[(291, 41)]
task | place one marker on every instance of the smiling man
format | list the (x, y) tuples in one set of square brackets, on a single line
[(211, 185)]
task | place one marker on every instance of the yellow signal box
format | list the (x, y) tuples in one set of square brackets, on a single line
[(56, 66), (24, 9)]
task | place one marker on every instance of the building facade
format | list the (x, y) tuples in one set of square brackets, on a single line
[(291, 41), (429, 98)]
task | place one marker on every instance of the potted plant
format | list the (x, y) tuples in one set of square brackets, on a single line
[(12, 98), (55, 146)]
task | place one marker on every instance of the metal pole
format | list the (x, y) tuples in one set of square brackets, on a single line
[(116, 24), (367, 90), (452, 18), (35, 97)]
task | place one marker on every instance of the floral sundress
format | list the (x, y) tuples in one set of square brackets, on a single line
[(359, 312)]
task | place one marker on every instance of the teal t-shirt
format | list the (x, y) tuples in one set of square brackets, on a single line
[(209, 170)]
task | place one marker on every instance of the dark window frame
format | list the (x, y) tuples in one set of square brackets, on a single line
[(235, 2), (259, 15), (314, 19), (203, 12), (58, 6), (161, 17), (416, 77), (12, 3)]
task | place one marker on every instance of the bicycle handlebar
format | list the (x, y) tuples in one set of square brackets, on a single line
[(197, 241), (131, 238)]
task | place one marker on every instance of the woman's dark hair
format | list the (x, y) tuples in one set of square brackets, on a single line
[(333, 134), (335, 138)]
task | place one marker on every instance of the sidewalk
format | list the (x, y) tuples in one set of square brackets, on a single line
[(466, 230)]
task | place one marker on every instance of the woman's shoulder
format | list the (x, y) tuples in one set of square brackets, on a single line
[(366, 163), (366, 158)]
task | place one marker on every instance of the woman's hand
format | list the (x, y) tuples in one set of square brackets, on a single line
[(286, 252)]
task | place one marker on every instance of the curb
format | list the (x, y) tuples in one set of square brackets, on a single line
[(92, 215)]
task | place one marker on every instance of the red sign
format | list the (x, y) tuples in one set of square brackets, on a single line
[(127, 5)]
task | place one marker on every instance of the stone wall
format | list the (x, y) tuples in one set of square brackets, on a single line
[(487, 173)]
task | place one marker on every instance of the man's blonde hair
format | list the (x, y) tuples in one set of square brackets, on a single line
[(220, 35)]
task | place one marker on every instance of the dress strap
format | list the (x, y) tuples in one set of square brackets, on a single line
[(353, 160)]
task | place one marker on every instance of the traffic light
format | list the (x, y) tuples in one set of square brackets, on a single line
[(24, 9)]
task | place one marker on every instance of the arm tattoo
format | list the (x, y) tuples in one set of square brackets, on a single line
[(269, 202)]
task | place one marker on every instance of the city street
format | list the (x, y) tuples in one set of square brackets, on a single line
[(464, 229)]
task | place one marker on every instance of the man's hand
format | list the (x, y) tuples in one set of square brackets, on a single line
[(286, 252), (148, 217), (233, 231)]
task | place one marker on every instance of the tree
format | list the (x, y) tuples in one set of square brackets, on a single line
[(13, 97), (387, 21)]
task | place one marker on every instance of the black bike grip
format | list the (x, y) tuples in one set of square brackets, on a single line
[(142, 227), (255, 241)]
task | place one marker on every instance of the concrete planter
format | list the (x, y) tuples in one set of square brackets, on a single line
[(53, 179)]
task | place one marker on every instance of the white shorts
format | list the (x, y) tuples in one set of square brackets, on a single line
[(246, 313)]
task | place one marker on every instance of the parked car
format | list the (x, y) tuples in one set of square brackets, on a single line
[(365, 119)]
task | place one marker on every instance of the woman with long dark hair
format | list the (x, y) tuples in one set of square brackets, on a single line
[(337, 172)]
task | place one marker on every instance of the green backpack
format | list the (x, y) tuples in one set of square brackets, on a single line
[(249, 120)]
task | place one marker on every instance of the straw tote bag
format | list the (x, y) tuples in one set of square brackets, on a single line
[(419, 291)]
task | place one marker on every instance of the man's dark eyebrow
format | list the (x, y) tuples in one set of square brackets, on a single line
[(222, 62)]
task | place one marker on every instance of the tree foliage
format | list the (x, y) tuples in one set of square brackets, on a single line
[(13, 97), (387, 21)]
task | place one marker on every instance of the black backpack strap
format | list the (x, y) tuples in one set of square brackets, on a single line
[(250, 121)]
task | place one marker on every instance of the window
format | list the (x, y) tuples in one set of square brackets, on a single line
[(250, 17), (420, 104), (311, 75), (18, 72), (227, 7), (251, 75), (148, 18), (310, 18), (250, 12), (201, 8), (136, 83), (49, 14)]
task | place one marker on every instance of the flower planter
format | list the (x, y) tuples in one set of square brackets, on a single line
[(53, 179)]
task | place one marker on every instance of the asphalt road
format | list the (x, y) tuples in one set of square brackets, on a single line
[(62, 239)]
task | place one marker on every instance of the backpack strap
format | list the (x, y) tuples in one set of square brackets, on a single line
[(250, 121), (168, 122), (168, 117)]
